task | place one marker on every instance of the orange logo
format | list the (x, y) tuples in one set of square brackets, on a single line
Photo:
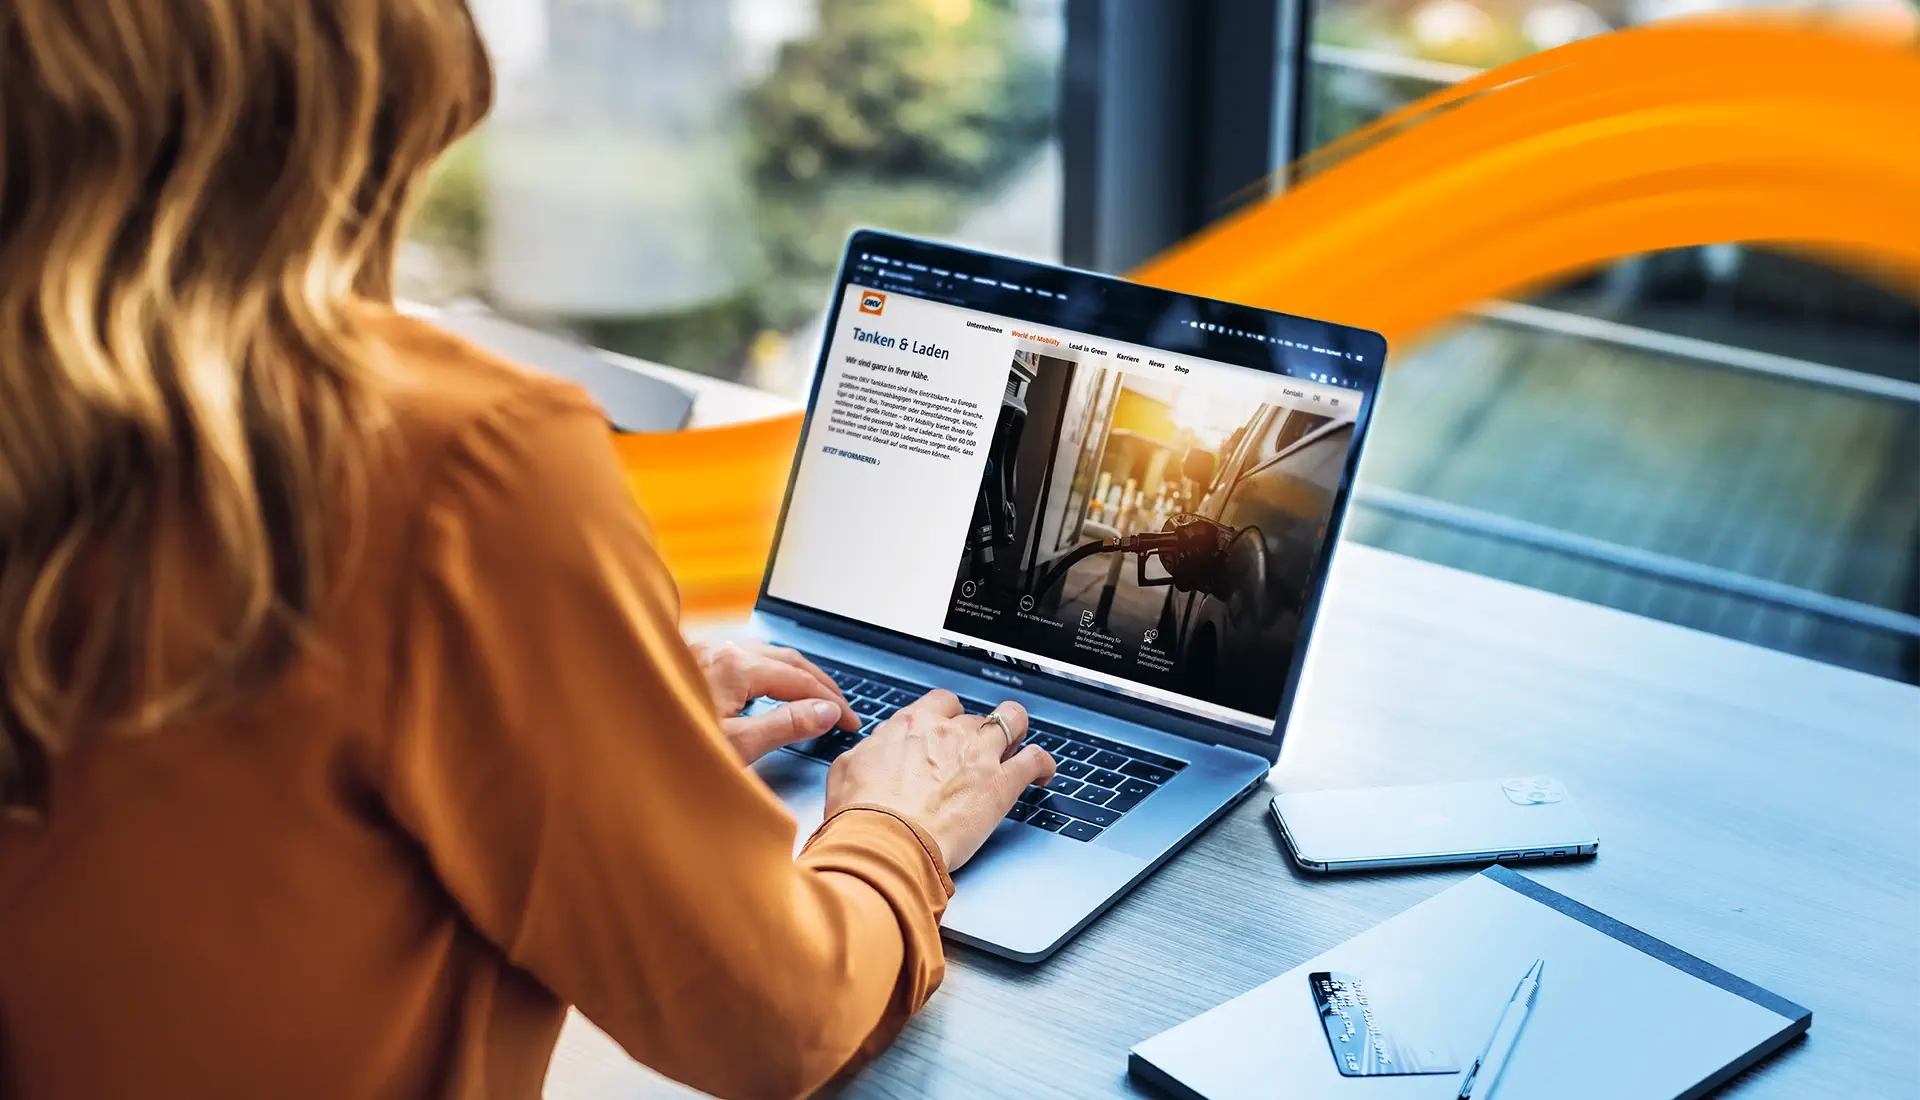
[(873, 302)]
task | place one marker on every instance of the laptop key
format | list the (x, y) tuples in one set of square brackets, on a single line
[(1080, 756), (1085, 811), (1152, 773), (1048, 820), (1099, 796), (1021, 811), (1080, 830), (1107, 779), (1063, 785), (829, 746), (1156, 759), (1121, 801), (1100, 744)]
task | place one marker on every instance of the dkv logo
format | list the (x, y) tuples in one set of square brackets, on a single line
[(873, 302)]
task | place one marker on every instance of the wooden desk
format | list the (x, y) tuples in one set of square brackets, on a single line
[(1758, 810)]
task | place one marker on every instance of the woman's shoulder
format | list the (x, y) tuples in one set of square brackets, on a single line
[(455, 421), (439, 392)]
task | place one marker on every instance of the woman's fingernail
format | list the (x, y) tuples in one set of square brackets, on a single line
[(826, 711)]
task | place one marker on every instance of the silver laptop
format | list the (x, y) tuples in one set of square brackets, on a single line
[(1109, 502)]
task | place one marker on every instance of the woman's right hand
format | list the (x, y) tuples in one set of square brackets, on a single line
[(953, 774)]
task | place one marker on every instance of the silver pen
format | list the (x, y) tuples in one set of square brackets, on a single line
[(1484, 1074)]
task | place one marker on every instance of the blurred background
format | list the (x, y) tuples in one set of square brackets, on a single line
[(674, 179), (1724, 437)]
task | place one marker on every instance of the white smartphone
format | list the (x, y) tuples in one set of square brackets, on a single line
[(1521, 820)]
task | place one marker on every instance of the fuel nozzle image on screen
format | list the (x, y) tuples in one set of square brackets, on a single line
[(1158, 531), (994, 513)]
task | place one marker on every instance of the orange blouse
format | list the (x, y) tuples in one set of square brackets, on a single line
[(496, 787)]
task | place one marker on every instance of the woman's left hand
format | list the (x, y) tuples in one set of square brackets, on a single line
[(739, 672)]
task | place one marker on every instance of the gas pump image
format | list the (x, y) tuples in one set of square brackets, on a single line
[(995, 516), (1191, 547), (1219, 502), (1026, 500)]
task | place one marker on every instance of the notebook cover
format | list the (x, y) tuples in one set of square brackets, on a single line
[(1621, 1015)]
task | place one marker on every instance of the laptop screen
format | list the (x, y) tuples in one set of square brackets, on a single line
[(1071, 476)]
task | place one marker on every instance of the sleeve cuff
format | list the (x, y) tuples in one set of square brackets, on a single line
[(928, 847)]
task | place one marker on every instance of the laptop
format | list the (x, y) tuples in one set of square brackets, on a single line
[(1112, 503)]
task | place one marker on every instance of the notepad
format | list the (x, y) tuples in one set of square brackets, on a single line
[(1620, 1015)]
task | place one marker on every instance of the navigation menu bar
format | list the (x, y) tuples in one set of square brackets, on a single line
[(1321, 389)]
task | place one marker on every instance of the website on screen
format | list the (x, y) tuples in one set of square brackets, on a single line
[(1109, 512)]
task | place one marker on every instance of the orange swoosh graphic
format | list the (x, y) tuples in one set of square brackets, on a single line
[(1679, 134)]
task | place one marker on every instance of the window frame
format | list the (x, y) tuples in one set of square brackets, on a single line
[(1174, 114)]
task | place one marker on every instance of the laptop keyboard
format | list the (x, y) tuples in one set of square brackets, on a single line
[(1098, 781)]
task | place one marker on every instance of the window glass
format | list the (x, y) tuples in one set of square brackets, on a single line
[(1289, 498), (1369, 58), (1284, 432), (1319, 462), (674, 179), (1731, 406)]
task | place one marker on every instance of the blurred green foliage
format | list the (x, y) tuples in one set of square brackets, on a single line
[(884, 118), (896, 114), (883, 91), (453, 213)]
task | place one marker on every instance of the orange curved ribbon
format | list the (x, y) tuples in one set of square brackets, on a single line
[(1660, 137), (713, 497)]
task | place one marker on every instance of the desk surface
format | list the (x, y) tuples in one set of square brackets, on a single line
[(1758, 810)]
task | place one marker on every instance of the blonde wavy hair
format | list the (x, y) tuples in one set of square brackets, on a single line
[(197, 197)]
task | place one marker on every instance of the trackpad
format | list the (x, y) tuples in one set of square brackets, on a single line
[(1022, 894), (1028, 889)]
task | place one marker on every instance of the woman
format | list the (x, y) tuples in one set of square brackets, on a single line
[(347, 734)]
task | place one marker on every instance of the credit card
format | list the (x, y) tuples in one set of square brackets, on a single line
[(1363, 1044)]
